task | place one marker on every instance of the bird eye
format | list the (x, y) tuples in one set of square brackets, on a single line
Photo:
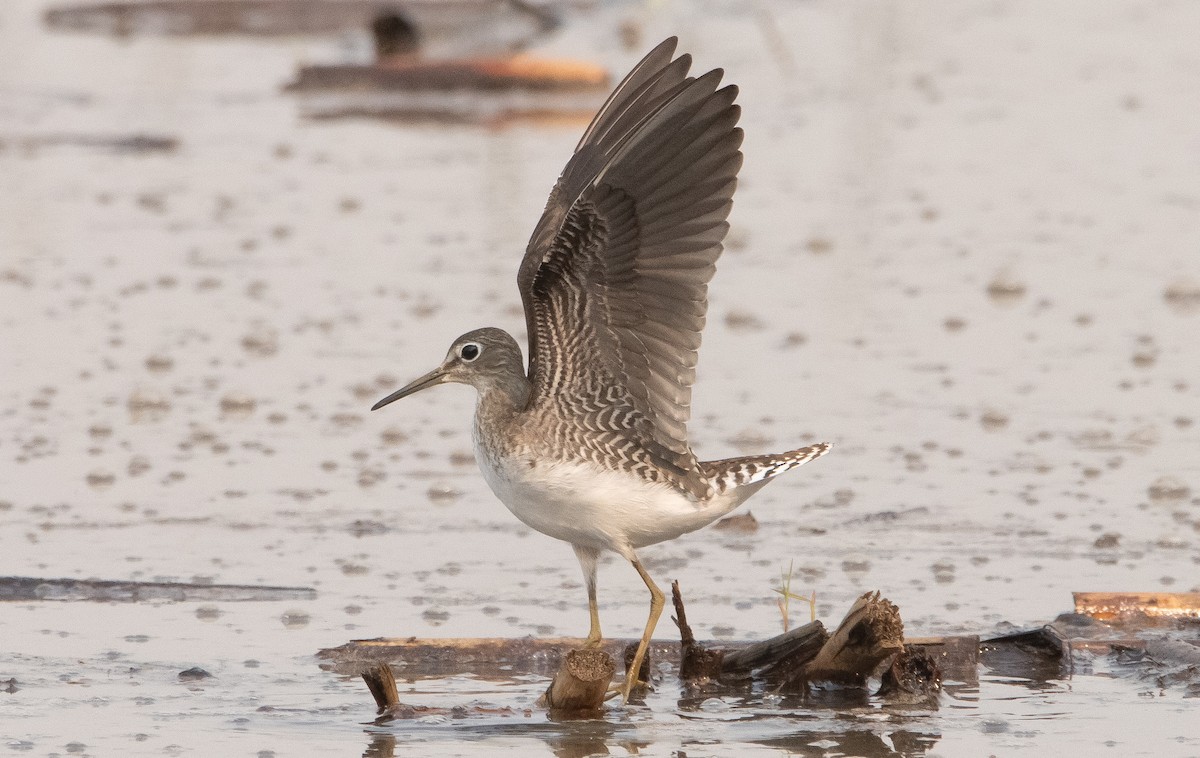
[(469, 351)]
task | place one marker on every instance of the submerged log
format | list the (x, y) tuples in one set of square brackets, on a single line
[(581, 682)]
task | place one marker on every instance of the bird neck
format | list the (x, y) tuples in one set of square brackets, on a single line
[(504, 396)]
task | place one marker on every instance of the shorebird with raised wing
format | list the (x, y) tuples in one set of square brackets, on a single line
[(590, 445)]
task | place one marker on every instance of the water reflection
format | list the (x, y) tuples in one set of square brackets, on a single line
[(820, 723), (584, 738), (601, 737), (869, 744), (563, 739), (380, 745)]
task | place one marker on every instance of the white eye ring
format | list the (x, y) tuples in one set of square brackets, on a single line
[(470, 352)]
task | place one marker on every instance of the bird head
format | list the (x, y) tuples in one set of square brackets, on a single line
[(482, 358)]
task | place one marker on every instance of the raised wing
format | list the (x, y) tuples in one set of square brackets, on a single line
[(615, 278)]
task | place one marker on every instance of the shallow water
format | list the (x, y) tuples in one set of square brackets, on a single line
[(965, 249)]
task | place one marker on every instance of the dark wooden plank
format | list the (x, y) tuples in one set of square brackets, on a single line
[(957, 656)]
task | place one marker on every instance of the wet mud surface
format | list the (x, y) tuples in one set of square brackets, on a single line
[(965, 249)]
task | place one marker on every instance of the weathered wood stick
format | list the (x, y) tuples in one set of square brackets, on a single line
[(581, 682), (871, 632), (780, 656), (1109, 605), (382, 684), (696, 663)]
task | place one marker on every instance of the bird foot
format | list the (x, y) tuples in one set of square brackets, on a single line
[(627, 689)]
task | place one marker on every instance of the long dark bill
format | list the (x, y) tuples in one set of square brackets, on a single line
[(435, 377)]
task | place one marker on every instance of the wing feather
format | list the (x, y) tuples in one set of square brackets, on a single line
[(615, 278)]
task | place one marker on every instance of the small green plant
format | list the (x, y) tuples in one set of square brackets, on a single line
[(786, 596)]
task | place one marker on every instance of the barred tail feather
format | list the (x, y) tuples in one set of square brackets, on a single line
[(750, 470)]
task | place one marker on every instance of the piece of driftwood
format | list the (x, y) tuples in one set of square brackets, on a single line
[(773, 660), (913, 674), (696, 662), (581, 683), (1162, 642), (381, 681), (382, 684), (870, 633), (1118, 605), (780, 658), (26, 588), (501, 658), (485, 658)]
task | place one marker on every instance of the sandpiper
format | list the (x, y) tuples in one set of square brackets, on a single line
[(590, 445)]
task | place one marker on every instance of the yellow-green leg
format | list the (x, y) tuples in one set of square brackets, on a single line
[(594, 637), (657, 601), (587, 561)]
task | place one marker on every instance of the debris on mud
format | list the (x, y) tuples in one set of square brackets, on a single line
[(867, 645), (26, 588)]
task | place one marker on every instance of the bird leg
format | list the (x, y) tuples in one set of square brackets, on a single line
[(657, 601), (587, 561), (594, 637)]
